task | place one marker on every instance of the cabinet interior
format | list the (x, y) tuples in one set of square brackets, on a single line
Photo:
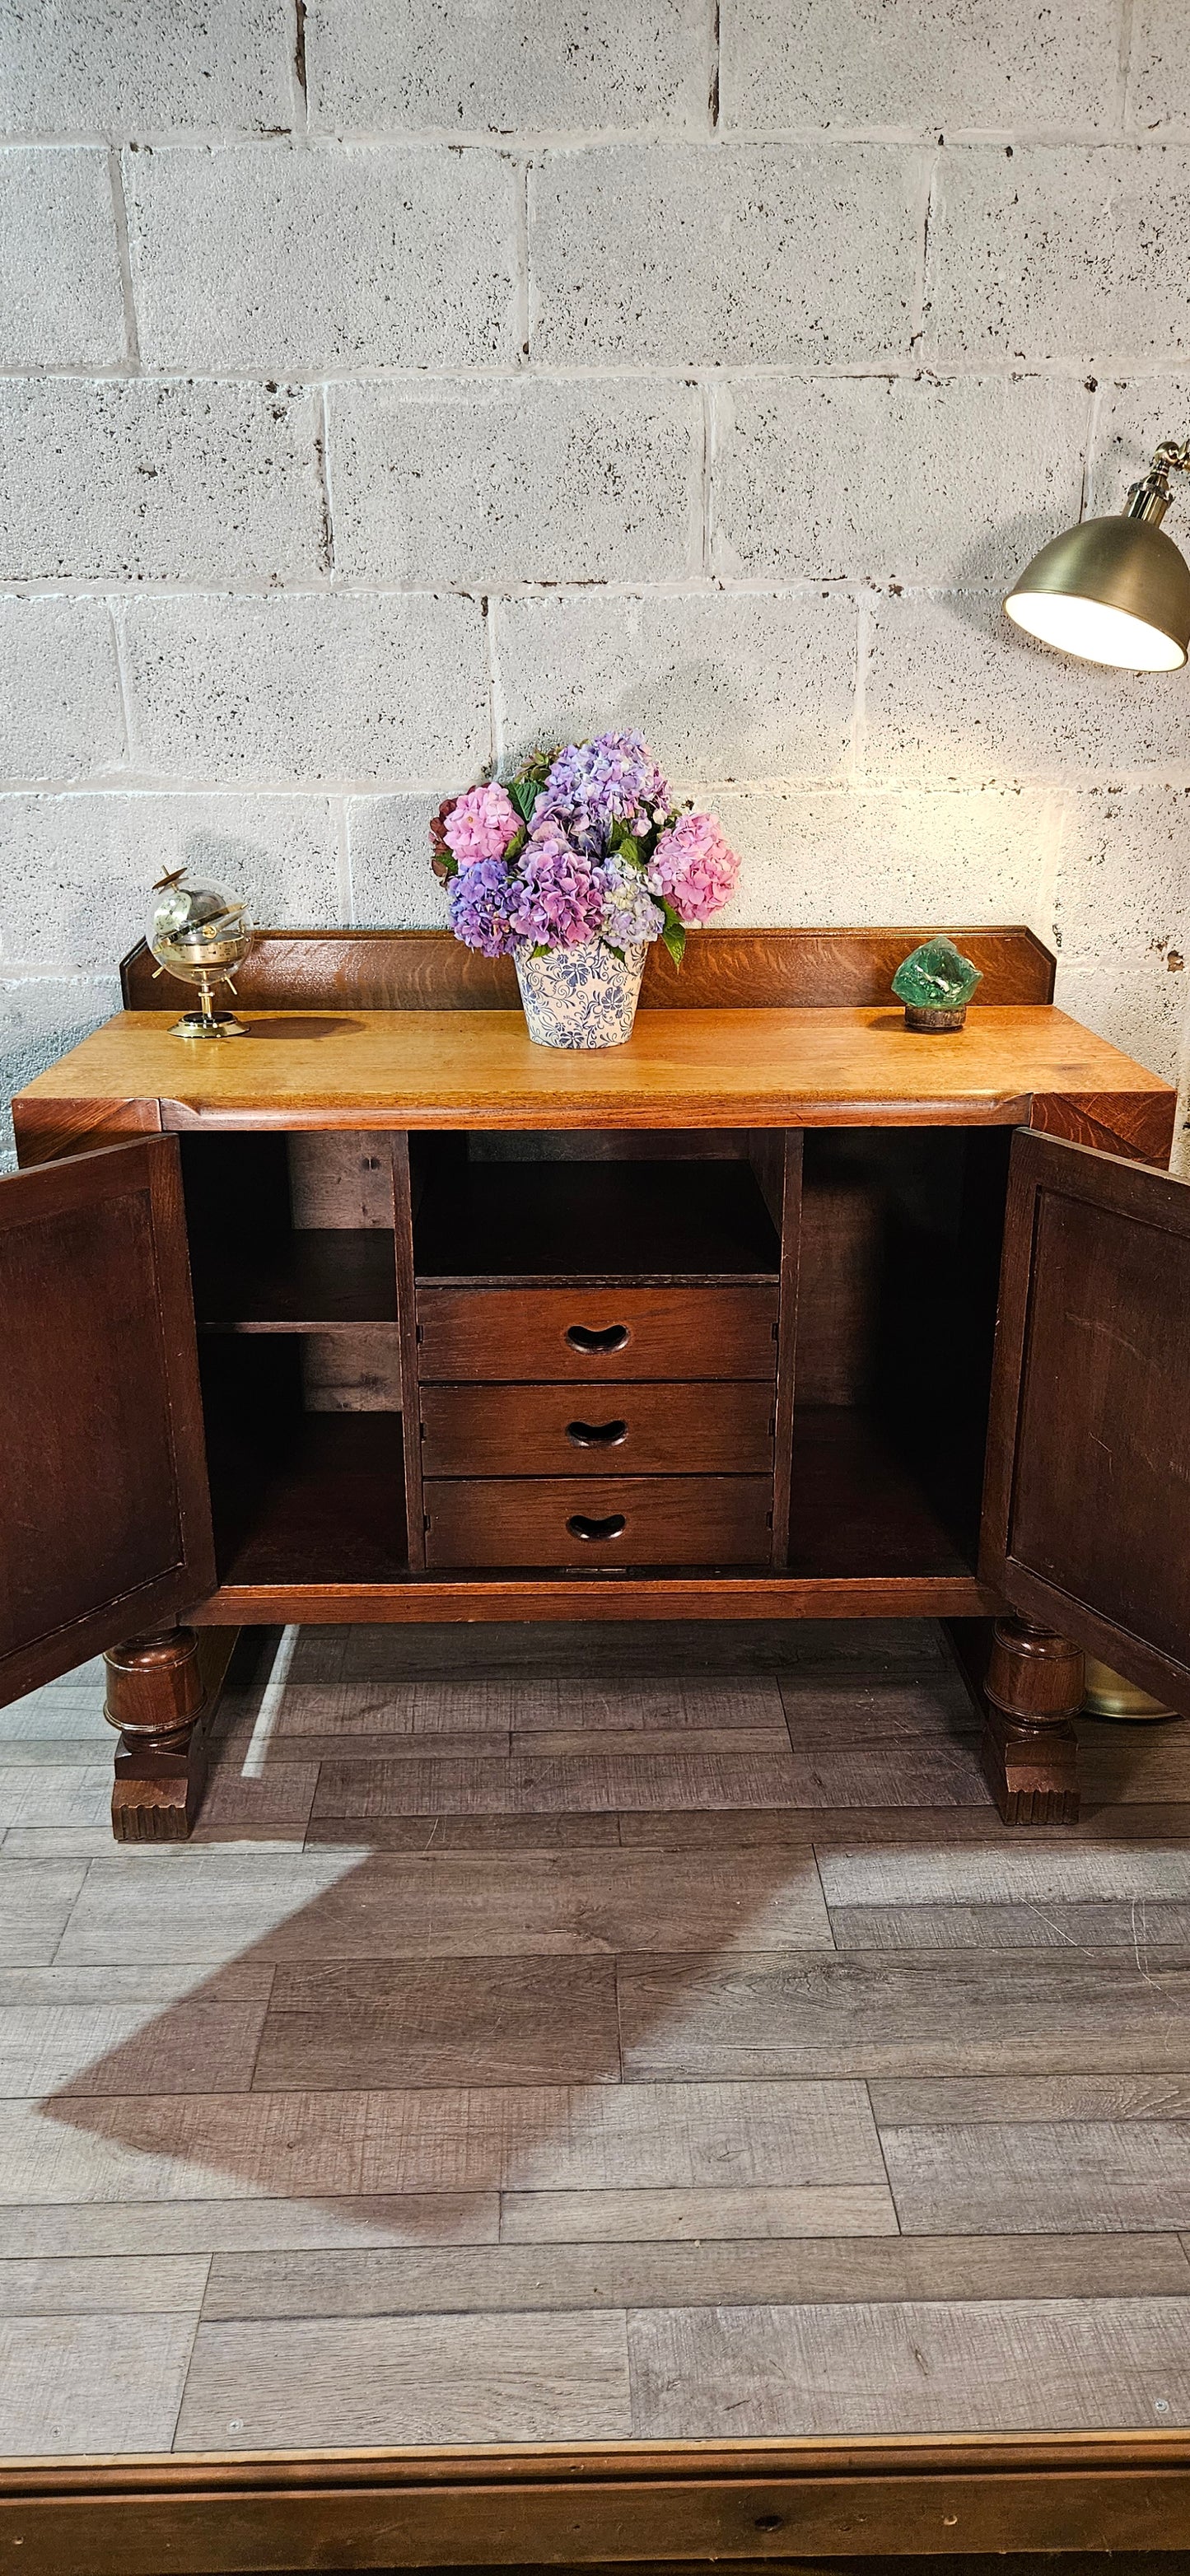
[(901, 1233), (295, 1270), (549, 1209), (292, 1255)]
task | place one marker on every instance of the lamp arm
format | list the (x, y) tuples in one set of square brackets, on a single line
[(1150, 498)]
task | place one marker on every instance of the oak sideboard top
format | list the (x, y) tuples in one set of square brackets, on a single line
[(1018, 1064)]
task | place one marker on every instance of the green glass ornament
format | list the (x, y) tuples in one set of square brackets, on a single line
[(935, 984)]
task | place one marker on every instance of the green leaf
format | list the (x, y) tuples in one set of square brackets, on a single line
[(613, 951), (541, 948), (673, 936), (524, 793), (515, 847), (626, 845)]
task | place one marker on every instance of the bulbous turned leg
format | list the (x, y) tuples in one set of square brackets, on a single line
[(156, 1698), (1033, 1687)]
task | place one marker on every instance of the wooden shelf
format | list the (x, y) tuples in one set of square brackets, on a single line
[(316, 1281), (553, 1222), (320, 1502), (859, 1506)]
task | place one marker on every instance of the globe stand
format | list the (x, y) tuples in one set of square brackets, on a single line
[(207, 1022)]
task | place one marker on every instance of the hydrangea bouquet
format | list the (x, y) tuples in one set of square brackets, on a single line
[(572, 869)]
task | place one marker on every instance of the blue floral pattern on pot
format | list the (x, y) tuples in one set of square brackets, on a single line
[(580, 997)]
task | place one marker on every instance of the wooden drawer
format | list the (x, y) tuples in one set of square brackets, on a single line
[(567, 1335), (592, 1521), (642, 1430)]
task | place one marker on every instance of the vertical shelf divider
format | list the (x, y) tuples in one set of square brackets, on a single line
[(415, 1512), (788, 1218)]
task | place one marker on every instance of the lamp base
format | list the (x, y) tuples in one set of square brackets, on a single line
[(1107, 1694), (220, 1024)]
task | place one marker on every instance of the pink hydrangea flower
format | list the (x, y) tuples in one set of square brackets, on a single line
[(481, 824), (693, 867)]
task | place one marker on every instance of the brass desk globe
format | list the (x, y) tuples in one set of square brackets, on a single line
[(201, 935)]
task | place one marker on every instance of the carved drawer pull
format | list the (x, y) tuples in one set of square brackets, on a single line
[(596, 1435), (581, 1525), (612, 1338)]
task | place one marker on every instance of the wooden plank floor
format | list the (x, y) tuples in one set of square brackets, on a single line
[(557, 2036)]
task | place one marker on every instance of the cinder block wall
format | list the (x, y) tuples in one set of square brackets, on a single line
[(389, 384)]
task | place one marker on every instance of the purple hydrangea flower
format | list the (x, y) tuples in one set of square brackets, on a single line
[(631, 916), (481, 824), (480, 901), (592, 785), (558, 891), (693, 867)]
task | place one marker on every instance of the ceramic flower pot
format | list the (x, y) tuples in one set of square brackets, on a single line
[(580, 997)]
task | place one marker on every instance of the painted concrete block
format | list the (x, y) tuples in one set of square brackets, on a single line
[(345, 686), (953, 690), (140, 481), (61, 296), (1052, 252), (1140, 1009), (1130, 421), (59, 689), (261, 256), (726, 254), (1159, 83), (1123, 881), (388, 840), (891, 478), (40, 1021), (126, 67), (722, 685), (921, 63), (834, 856), (507, 66), (76, 871), (498, 484)]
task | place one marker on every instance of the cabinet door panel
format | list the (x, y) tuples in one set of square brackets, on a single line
[(1087, 1499), (104, 1513)]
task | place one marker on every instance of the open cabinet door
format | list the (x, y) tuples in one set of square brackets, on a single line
[(1086, 1524), (105, 1523)]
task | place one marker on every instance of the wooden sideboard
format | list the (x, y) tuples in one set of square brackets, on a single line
[(778, 1311)]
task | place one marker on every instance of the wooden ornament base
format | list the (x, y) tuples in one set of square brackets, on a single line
[(930, 1019)]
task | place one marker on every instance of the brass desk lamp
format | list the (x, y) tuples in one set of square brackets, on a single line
[(1115, 590)]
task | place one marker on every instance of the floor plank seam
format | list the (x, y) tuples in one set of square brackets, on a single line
[(75, 1902), (185, 2374), (883, 2159)]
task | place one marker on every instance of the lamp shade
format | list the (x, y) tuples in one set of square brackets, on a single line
[(1111, 590)]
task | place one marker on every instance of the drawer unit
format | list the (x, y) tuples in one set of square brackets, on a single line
[(589, 1334), (590, 1521), (638, 1430)]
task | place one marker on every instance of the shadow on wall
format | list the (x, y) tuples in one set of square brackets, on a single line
[(969, 588), (38, 1023)]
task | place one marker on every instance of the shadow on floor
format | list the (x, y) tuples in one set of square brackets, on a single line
[(566, 2034)]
